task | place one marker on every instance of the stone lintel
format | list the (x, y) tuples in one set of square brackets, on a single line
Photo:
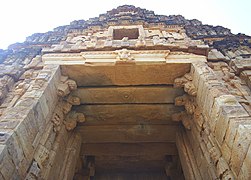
[(121, 56)]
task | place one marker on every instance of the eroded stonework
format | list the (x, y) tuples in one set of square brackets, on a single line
[(129, 92)]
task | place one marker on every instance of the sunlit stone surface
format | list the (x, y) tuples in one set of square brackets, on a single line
[(127, 95)]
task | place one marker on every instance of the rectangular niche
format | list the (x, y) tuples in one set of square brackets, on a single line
[(119, 34)]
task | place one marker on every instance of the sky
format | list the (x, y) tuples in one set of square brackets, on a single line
[(22, 18)]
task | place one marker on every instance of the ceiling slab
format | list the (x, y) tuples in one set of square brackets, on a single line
[(121, 95), (128, 114), (125, 74), (128, 133), (128, 149)]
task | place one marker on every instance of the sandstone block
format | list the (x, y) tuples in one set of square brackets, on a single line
[(15, 150), (23, 168), (41, 156), (43, 103), (7, 167), (240, 147), (245, 172), (221, 127), (26, 133), (232, 129), (226, 152), (9, 123)]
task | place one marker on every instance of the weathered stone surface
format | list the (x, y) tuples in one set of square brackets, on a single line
[(125, 74), (128, 114), (117, 93), (245, 168), (121, 95), (240, 148), (128, 133), (128, 149)]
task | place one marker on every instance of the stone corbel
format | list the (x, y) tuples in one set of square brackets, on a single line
[(63, 114), (185, 118), (66, 107), (57, 118), (190, 89), (73, 100), (186, 82), (66, 102), (187, 101), (66, 86), (72, 118)]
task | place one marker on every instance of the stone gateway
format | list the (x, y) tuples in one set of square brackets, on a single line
[(127, 95)]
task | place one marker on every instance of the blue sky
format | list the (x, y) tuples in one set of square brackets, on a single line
[(20, 19)]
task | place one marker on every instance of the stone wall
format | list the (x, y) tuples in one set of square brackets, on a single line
[(30, 146), (218, 127), (37, 137)]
